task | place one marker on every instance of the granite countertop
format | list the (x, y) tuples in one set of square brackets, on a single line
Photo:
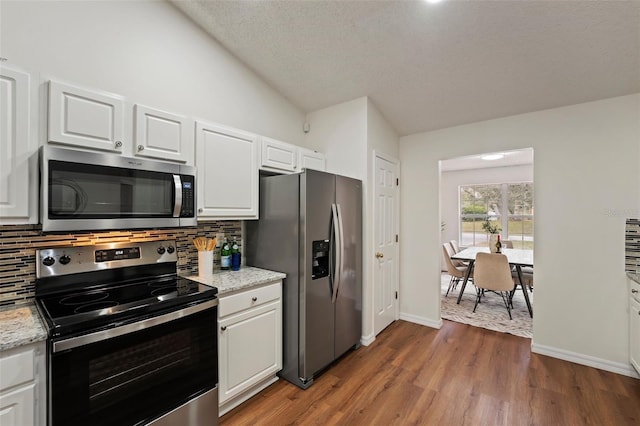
[(20, 325), (634, 277), (246, 277)]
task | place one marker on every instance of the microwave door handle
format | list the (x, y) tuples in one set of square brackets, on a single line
[(177, 206)]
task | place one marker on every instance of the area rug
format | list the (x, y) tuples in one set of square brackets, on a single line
[(491, 312)]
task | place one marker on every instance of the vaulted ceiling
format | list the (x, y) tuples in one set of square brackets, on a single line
[(430, 66)]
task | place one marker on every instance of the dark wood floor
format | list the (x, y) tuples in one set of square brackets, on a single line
[(458, 375)]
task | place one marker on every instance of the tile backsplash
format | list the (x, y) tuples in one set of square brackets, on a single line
[(18, 244), (632, 246)]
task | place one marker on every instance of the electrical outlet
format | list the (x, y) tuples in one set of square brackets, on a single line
[(219, 239)]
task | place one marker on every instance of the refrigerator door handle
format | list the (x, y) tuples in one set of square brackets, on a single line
[(337, 267), (340, 257)]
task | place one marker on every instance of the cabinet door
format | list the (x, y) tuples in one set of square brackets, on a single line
[(278, 155), (250, 348), (308, 159), (227, 172), (634, 329), (85, 118), (17, 406), (18, 149), (160, 134)]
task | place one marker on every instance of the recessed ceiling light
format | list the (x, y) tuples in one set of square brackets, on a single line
[(491, 157), (433, 1)]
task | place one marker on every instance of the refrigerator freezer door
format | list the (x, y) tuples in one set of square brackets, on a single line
[(317, 193), (348, 306)]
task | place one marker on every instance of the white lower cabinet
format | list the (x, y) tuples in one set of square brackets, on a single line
[(249, 343), (22, 386)]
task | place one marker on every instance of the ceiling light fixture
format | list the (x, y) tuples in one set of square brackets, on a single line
[(434, 1), (491, 157)]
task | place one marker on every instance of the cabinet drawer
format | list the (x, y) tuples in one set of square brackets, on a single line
[(16, 369), (248, 299)]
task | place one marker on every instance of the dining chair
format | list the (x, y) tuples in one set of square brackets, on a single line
[(492, 273), (456, 248), (527, 277), (456, 272), (507, 244)]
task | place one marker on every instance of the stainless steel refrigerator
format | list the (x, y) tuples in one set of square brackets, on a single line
[(310, 228)]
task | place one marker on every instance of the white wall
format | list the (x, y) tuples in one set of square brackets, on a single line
[(149, 52), (586, 163), (451, 180), (340, 131)]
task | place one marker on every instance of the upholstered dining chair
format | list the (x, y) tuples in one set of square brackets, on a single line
[(456, 272), (456, 248), (492, 273), (527, 277), (507, 244)]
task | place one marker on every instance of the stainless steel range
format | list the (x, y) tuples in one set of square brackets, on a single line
[(130, 342)]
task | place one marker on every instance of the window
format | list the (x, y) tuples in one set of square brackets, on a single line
[(507, 205)]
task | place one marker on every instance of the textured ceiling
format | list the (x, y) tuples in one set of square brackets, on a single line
[(429, 66)]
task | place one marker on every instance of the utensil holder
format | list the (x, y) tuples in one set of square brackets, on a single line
[(205, 264)]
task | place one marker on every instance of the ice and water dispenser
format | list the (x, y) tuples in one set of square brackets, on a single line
[(319, 259)]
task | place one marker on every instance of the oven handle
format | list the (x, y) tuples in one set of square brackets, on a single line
[(98, 336)]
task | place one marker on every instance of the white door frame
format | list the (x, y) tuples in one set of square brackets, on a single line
[(396, 163)]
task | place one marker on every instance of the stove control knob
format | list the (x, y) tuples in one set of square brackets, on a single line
[(160, 250), (65, 259), (48, 261), (170, 249)]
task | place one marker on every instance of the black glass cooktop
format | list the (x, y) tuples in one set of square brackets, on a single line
[(110, 306)]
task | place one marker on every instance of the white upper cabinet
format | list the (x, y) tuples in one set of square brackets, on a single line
[(227, 162), (160, 134), (278, 155), (309, 159), (18, 148), (282, 157), (85, 118)]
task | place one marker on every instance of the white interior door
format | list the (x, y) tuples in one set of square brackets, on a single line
[(386, 242)]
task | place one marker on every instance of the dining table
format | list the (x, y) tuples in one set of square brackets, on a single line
[(516, 257)]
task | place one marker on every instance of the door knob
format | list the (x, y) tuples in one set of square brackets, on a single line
[(379, 255)]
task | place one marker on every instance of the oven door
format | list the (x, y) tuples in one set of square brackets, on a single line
[(133, 374)]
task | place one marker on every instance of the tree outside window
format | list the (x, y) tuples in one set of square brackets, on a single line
[(510, 205)]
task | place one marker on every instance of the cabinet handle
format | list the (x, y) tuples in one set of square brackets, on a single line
[(118, 144), (223, 328), (634, 291), (140, 148), (254, 299), (200, 210)]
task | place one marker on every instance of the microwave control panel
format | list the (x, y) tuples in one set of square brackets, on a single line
[(188, 196)]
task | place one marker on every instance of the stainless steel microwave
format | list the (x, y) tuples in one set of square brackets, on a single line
[(85, 191)]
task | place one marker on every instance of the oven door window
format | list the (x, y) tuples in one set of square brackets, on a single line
[(84, 191), (132, 379)]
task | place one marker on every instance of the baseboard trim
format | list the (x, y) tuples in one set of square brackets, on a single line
[(589, 361), (367, 340), (421, 320)]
